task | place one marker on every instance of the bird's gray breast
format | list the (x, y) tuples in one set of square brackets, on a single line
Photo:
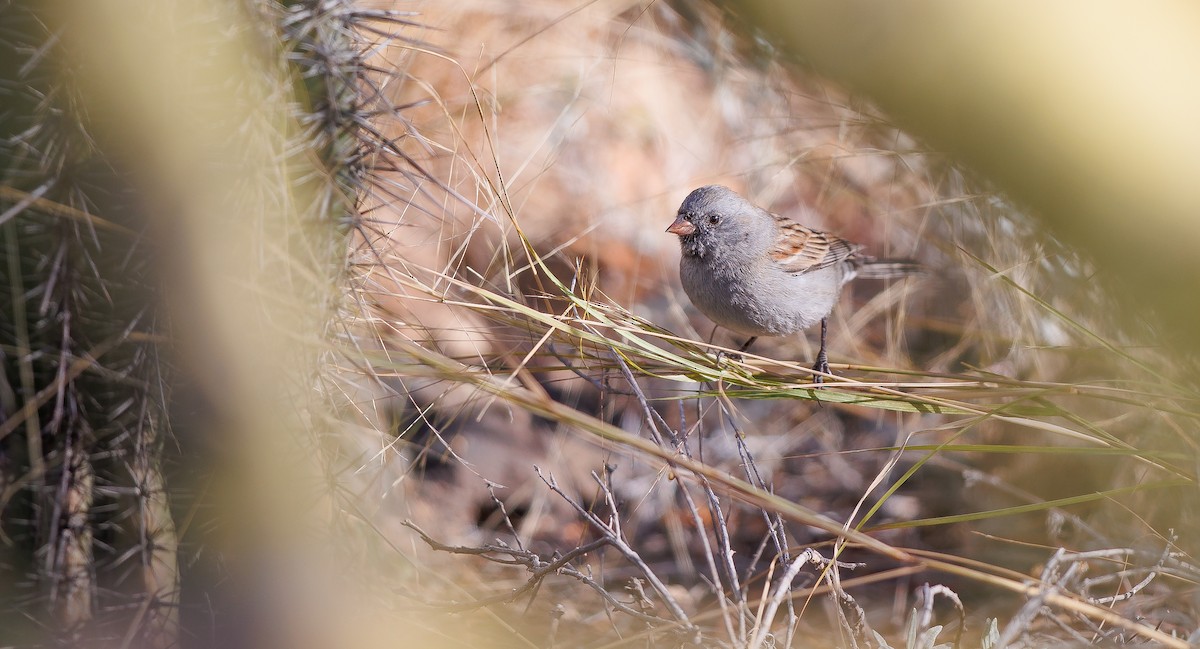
[(761, 300)]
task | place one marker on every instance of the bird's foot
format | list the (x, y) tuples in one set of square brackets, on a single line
[(822, 366), (736, 356), (721, 356)]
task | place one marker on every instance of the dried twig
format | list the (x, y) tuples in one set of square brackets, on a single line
[(540, 569), (782, 587), (611, 530), (926, 595)]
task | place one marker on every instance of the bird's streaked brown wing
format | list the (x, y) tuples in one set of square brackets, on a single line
[(801, 249)]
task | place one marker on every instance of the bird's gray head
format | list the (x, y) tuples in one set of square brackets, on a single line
[(714, 218)]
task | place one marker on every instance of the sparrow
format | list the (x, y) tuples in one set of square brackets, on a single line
[(763, 274)]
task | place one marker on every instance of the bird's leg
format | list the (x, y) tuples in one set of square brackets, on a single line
[(822, 364), (746, 345)]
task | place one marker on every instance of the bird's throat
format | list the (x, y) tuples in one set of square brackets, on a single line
[(693, 247)]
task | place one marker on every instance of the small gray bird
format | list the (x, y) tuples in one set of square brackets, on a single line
[(761, 274)]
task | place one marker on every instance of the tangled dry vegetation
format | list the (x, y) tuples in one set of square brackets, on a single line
[(571, 440), (511, 427)]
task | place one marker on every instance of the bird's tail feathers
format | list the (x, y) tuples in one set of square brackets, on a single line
[(889, 269)]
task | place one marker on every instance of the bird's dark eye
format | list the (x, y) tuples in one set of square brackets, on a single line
[(714, 219)]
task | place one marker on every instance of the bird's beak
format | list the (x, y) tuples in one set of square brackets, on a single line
[(681, 227)]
